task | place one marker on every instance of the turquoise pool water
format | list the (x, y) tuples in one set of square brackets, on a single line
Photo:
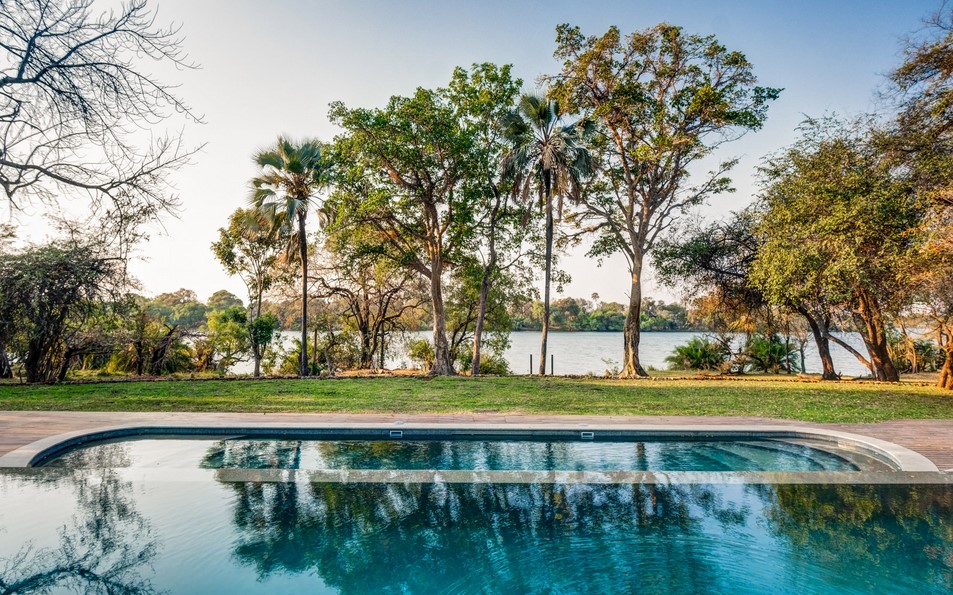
[(120, 518), (479, 455)]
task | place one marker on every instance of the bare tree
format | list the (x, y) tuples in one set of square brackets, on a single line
[(76, 103)]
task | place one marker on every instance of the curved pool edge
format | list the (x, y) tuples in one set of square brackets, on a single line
[(898, 457)]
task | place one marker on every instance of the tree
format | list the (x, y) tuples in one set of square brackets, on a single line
[(74, 91), (925, 82), (549, 154), (247, 248), (47, 295), (721, 261), (152, 339), (291, 174), (936, 293), (664, 100), (180, 308), (227, 338), (465, 298), (483, 97), (222, 300), (922, 140), (841, 220), (375, 293), (401, 167)]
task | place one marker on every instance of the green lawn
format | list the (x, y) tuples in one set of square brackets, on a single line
[(809, 401)]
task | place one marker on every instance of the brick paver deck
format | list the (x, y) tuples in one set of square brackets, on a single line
[(931, 438)]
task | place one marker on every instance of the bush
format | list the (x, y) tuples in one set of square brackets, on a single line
[(699, 353), (291, 361), (490, 362), (771, 354), (420, 352), (929, 358)]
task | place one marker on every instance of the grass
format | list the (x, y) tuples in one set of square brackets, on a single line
[(780, 398)]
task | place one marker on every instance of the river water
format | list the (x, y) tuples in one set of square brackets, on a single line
[(595, 353)]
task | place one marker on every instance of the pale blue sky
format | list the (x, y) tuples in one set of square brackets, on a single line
[(273, 67)]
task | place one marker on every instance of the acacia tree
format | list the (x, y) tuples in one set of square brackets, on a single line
[(401, 167), (546, 153), (842, 218), (291, 175), (664, 100), (248, 249), (74, 90)]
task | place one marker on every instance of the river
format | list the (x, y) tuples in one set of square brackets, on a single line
[(586, 353)]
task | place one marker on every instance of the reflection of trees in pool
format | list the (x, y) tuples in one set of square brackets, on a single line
[(905, 532), (103, 549), (517, 537), (253, 454), (529, 537), (423, 454), (101, 456)]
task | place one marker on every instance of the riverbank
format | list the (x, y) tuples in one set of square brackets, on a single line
[(769, 397)]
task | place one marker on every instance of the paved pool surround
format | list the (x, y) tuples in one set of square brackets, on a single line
[(899, 458)]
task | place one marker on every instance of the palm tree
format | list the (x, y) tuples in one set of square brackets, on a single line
[(545, 152), (290, 176)]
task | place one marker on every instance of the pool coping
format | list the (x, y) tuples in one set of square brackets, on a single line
[(900, 458)]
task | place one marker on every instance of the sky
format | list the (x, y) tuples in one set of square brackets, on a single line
[(270, 68)]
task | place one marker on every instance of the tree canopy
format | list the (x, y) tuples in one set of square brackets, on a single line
[(664, 99), (75, 89)]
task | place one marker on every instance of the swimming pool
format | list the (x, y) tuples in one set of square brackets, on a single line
[(273, 514)]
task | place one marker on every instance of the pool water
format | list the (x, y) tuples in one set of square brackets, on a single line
[(208, 515), (116, 531), (477, 455)]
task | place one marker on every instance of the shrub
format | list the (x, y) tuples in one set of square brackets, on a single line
[(490, 362), (766, 354), (699, 353), (420, 352)]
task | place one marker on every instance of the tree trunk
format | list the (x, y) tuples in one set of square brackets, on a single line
[(484, 294), (6, 371), (367, 348), (140, 348), (441, 348), (303, 253), (32, 363), (631, 366), (329, 345), (383, 347), (875, 338), (160, 351), (478, 327), (256, 348), (64, 365), (946, 372), (550, 224), (823, 344), (314, 358)]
